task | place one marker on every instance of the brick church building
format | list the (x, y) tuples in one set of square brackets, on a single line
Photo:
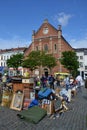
[(48, 38)]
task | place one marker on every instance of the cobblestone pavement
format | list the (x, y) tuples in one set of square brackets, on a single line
[(74, 119)]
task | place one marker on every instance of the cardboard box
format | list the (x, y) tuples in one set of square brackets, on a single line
[(57, 90), (50, 108)]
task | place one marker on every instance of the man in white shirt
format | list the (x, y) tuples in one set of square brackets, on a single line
[(79, 82)]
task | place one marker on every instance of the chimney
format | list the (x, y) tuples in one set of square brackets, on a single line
[(33, 34), (46, 21), (59, 31)]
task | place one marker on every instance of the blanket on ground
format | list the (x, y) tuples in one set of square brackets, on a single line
[(33, 114)]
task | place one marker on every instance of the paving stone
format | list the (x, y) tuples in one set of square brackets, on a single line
[(74, 119)]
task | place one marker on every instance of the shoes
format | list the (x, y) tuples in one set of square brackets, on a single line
[(57, 116)]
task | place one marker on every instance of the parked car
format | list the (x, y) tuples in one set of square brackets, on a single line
[(61, 75)]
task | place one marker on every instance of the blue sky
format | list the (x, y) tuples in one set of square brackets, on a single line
[(19, 17)]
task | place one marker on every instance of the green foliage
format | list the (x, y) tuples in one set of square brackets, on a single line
[(15, 60), (70, 61), (32, 60), (49, 61), (38, 58)]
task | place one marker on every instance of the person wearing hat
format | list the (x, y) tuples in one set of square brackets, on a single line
[(4, 80)]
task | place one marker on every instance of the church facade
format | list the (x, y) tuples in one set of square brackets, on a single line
[(49, 39)]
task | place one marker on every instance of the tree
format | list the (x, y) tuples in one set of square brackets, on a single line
[(15, 61), (70, 61), (49, 61), (32, 61), (36, 59)]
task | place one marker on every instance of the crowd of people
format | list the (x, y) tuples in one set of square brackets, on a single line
[(53, 82)]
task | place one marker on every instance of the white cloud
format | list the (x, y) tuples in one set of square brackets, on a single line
[(13, 43), (62, 18), (81, 43)]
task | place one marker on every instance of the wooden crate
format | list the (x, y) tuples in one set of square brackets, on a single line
[(26, 88), (26, 92), (17, 86), (50, 108), (6, 98)]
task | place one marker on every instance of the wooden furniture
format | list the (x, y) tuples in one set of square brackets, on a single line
[(24, 87)]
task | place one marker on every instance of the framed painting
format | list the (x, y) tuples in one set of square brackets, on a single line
[(32, 95), (17, 101)]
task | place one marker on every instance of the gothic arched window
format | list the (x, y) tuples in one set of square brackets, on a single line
[(55, 47), (46, 47)]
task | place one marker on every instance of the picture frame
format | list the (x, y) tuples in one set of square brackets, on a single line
[(26, 103), (32, 95), (17, 101)]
